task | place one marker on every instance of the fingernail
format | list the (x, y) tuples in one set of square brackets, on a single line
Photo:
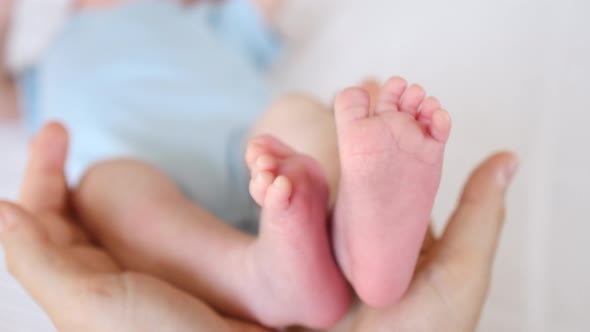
[(509, 171)]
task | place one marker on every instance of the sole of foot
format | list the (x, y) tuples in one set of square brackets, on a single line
[(391, 162)]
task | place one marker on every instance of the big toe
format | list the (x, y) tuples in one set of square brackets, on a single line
[(259, 186), (391, 95), (352, 104), (412, 99), (265, 144), (296, 187), (279, 193)]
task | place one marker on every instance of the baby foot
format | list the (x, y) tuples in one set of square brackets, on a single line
[(391, 162), (292, 260)]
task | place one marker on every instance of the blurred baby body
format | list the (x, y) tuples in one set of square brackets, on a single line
[(179, 88), (112, 75), (35, 23), (158, 95)]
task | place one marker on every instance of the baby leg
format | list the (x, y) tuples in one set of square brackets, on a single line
[(308, 127), (286, 276), (139, 215)]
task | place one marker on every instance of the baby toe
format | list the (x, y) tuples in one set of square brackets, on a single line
[(279, 193), (391, 95), (259, 186), (440, 127), (352, 104), (412, 99)]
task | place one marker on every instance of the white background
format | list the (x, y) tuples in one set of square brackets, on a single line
[(513, 74)]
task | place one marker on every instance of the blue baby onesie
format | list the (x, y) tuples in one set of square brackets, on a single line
[(175, 86)]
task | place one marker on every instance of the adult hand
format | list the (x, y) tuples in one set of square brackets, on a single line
[(77, 283), (82, 288), (452, 279)]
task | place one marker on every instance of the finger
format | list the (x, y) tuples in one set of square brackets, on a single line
[(372, 87), (473, 232), (44, 187), (33, 259)]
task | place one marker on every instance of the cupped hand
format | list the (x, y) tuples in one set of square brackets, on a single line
[(82, 288), (451, 282), (78, 284)]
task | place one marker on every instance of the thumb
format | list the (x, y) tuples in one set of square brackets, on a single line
[(462, 260), (474, 230), (44, 186)]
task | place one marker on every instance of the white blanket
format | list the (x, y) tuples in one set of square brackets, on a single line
[(513, 74), (34, 24)]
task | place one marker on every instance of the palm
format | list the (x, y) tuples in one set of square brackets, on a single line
[(436, 301), (80, 285), (451, 281), (104, 297)]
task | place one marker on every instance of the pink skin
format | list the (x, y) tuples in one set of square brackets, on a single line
[(292, 253), (90, 4), (391, 162)]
